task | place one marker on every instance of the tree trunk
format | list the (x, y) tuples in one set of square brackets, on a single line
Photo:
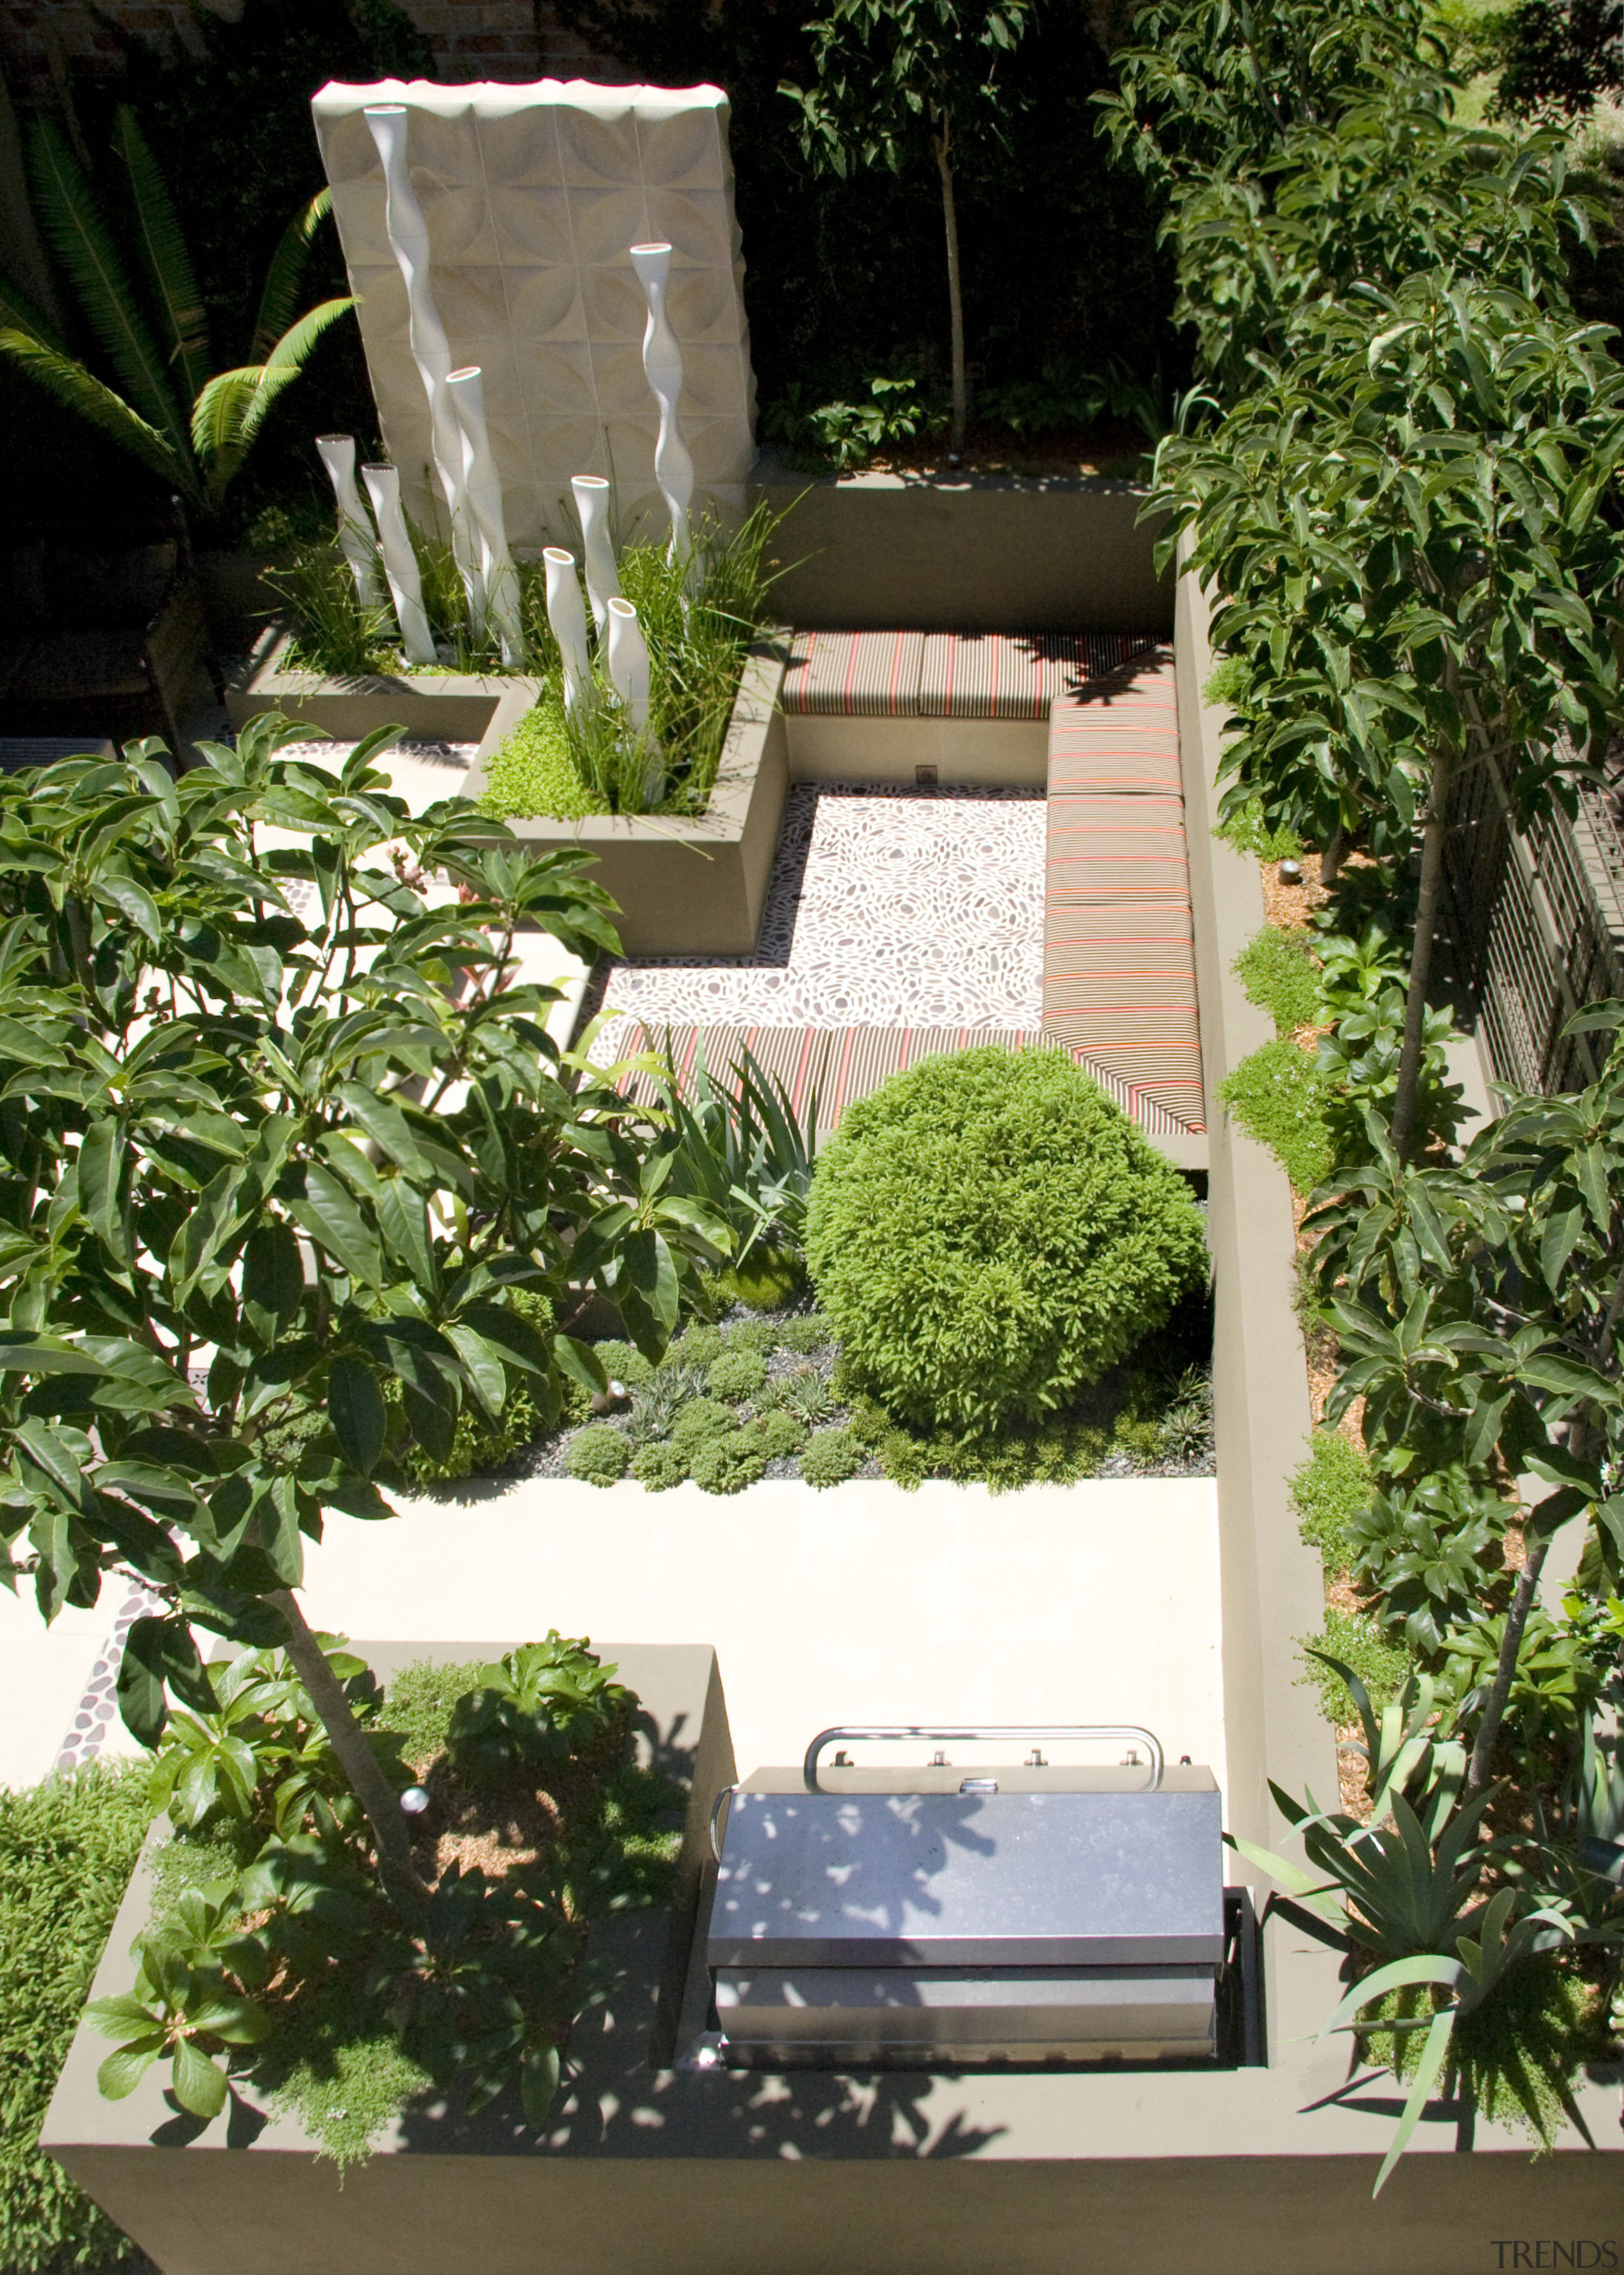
[(1330, 860), (355, 1757), (955, 298), (1421, 956), (1511, 1642)]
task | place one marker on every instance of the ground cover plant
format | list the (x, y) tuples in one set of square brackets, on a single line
[(1400, 482), (67, 1848), (274, 1958)]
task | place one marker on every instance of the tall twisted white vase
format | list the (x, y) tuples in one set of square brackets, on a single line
[(662, 368), (626, 655), (355, 538), (592, 502), (566, 612), (482, 488), (431, 351), (400, 563)]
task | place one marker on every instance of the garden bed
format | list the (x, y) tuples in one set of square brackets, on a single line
[(684, 887)]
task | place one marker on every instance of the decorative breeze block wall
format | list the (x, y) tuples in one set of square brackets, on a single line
[(533, 196)]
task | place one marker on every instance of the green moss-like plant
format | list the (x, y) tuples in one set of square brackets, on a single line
[(599, 1453), (779, 1434), (700, 1423), (1383, 1668), (622, 1362), (67, 1849), (728, 1464), (1279, 1096), (1521, 2054), (988, 1232), (1278, 971), (737, 1374), (698, 1343), (767, 1279), (1332, 1487), (660, 1466), (809, 1331), (831, 1456), (530, 772), (1248, 833), (420, 1702)]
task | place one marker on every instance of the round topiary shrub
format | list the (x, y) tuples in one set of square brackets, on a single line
[(624, 1363), (737, 1374), (599, 1453), (728, 1464), (831, 1456), (988, 1232), (698, 1343), (810, 1332)]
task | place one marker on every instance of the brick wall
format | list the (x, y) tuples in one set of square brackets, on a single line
[(471, 38)]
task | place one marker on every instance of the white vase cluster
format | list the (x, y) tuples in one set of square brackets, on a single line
[(467, 474)]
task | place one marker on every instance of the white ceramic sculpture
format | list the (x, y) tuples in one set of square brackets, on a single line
[(355, 537), (400, 563), (408, 236), (566, 612), (628, 661), (591, 503), (662, 366), (482, 488)]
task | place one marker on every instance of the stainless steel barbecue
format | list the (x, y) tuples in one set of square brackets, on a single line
[(939, 1915)]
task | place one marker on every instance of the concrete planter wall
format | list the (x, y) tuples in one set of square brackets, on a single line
[(683, 888), (986, 552)]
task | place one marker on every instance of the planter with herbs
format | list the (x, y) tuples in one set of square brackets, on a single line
[(262, 1993)]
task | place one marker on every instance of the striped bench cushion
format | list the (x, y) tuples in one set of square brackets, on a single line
[(1122, 736), (907, 675), (1151, 1076), (854, 674), (1108, 848)]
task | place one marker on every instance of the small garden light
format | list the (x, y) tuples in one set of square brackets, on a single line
[(1291, 872), (414, 1801)]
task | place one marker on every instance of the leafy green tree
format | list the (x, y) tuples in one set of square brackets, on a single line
[(275, 1129), (1480, 1308), (188, 423), (896, 75), (1406, 523)]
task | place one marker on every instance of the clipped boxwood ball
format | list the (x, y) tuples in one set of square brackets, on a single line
[(728, 1463), (988, 1232), (831, 1456), (599, 1453)]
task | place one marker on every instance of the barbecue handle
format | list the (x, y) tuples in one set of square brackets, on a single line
[(1000, 1730), (726, 1794)]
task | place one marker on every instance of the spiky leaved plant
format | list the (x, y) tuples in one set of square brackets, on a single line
[(162, 399)]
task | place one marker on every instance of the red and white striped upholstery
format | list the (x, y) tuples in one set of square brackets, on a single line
[(854, 674), (1119, 973), (946, 674)]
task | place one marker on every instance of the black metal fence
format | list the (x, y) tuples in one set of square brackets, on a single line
[(1536, 922)]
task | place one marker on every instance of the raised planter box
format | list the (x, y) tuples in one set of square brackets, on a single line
[(683, 888)]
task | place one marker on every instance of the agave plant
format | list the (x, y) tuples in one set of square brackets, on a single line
[(162, 401)]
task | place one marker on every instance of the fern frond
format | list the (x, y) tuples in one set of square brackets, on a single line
[(81, 391), (291, 351), (18, 311), (163, 250), (79, 236), (286, 275)]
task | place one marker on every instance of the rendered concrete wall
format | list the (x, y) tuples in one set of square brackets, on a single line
[(987, 553), (532, 196)]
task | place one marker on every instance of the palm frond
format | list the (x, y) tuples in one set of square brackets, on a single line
[(79, 236), (290, 351), (217, 414), (72, 385), (18, 311), (286, 275), (163, 250)]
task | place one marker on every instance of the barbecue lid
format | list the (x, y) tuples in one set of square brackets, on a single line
[(968, 1879)]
